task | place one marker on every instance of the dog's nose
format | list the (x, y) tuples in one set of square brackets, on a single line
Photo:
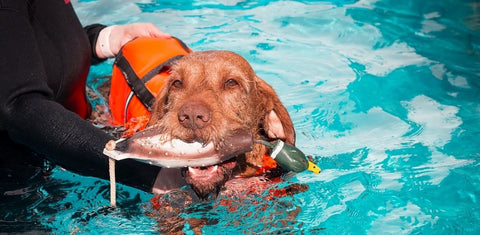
[(194, 115)]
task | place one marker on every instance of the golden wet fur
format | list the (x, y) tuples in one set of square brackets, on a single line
[(225, 84)]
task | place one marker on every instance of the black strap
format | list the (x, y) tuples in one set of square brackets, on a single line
[(159, 68), (135, 83), (184, 46), (138, 85)]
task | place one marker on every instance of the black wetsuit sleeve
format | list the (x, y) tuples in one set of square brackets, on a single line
[(30, 112), (92, 32), (69, 141)]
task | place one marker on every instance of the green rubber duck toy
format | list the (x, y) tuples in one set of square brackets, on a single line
[(290, 157)]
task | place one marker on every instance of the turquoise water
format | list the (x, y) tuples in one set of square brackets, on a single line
[(384, 94)]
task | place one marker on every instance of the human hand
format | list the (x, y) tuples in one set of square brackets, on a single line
[(112, 38)]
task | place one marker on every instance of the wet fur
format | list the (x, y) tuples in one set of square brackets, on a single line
[(225, 83)]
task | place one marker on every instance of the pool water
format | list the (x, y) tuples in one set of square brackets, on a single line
[(385, 95)]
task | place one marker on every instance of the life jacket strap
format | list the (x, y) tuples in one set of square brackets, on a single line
[(139, 72), (160, 68), (136, 84)]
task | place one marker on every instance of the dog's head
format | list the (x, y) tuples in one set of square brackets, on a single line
[(208, 96)]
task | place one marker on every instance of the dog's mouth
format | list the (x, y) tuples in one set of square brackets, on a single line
[(206, 167), (209, 173), (208, 180)]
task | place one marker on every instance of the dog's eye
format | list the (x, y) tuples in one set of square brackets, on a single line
[(231, 83), (177, 84)]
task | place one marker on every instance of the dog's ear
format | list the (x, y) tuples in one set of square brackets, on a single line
[(276, 120)]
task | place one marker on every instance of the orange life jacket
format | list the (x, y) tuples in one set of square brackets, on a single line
[(139, 72)]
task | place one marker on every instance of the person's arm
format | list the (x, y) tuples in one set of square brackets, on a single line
[(92, 32), (69, 141), (31, 117)]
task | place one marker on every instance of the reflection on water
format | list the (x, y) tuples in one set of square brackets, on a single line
[(384, 95)]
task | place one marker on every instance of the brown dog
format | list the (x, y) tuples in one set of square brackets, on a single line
[(209, 95)]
